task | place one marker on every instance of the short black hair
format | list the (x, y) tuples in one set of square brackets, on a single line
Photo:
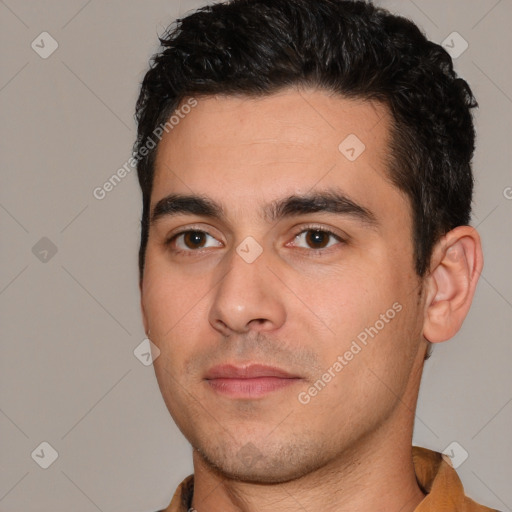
[(352, 48)]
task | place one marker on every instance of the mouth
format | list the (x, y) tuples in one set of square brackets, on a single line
[(249, 381)]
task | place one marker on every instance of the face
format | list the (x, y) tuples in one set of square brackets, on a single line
[(296, 254)]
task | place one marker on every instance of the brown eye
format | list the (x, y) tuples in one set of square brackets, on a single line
[(317, 238), (191, 241), (194, 239)]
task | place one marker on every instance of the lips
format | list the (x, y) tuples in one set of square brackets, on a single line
[(248, 382), (252, 371)]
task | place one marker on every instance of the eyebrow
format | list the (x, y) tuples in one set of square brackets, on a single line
[(327, 201)]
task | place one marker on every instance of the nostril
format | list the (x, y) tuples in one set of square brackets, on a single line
[(258, 321), (220, 326)]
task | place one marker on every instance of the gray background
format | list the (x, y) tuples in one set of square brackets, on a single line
[(71, 321)]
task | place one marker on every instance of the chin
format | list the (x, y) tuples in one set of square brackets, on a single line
[(251, 466), (258, 475)]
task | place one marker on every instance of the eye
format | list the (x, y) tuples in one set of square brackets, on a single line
[(317, 238), (192, 240)]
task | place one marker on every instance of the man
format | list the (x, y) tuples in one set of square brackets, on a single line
[(306, 175)]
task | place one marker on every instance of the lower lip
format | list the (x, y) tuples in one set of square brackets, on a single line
[(250, 388)]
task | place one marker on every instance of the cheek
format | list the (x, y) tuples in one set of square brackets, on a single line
[(371, 363), (168, 290), (176, 302), (344, 298), (364, 310)]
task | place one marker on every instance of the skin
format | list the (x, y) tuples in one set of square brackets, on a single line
[(296, 307)]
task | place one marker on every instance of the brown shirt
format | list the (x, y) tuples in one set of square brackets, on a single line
[(434, 473)]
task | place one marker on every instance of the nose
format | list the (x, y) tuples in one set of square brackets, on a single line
[(248, 297)]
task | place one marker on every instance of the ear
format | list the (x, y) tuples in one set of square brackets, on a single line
[(456, 265)]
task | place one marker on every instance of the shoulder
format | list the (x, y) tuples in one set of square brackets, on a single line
[(441, 484)]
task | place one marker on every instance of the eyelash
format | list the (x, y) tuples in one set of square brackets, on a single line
[(304, 229)]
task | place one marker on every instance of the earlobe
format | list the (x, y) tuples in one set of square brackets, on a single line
[(457, 262)]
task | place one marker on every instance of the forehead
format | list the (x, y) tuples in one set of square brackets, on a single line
[(243, 151)]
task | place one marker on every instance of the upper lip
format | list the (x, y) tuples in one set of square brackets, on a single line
[(247, 371)]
